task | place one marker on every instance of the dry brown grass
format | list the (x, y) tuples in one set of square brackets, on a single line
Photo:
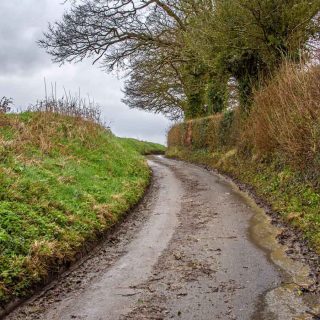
[(286, 116), (47, 123), (45, 131), (174, 136), (68, 105), (48, 119)]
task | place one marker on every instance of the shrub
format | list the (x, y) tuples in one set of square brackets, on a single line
[(286, 117)]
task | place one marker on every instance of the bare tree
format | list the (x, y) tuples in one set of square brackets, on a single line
[(129, 34), (155, 84), (113, 31)]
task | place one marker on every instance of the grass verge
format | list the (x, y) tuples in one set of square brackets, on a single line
[(63, 182)]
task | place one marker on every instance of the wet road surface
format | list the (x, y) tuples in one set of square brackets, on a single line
[(195, 248)]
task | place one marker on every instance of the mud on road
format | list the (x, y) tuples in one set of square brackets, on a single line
[(195, 248)]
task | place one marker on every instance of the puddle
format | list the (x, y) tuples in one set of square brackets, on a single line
[(287, 301)]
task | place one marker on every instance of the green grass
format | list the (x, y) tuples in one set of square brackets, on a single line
[(295, 199), (63, 181), (144, 148)]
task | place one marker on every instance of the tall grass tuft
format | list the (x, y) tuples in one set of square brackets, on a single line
[(71, 106)]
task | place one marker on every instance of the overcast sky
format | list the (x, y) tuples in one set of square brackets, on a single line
[(23, 66)]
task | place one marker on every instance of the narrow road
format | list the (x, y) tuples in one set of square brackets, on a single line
[(195, 248)]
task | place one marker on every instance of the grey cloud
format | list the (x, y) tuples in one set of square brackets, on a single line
[(23, 66), (21, 25)]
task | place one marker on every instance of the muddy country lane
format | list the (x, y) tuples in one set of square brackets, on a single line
[(195, 248)]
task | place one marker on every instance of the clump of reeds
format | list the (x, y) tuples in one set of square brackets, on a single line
[(72, 105)]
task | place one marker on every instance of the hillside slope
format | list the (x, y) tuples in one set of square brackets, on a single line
[(63, 181)]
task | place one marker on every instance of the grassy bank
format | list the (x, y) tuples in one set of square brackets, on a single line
[(63, 181), (143, 147), (275, 148)]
